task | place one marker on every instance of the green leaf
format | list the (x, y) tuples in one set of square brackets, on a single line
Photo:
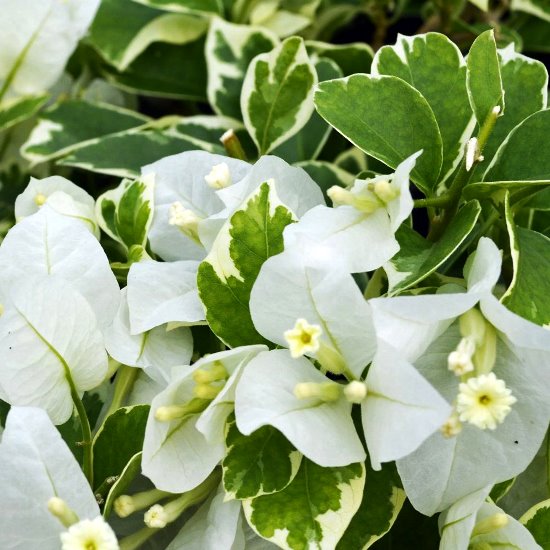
[(126, 212), (525, 153), (391, 121), (487, 189), (118, 440), (122, 44), (500, 490), (311, 512), (229, 50), (259, 464), (225, 278), (121, 485), (70, 124), (381, 503), (483, 76), (537, 521), (277, 94), (13, 112), (539, 8), (433, 65), (310, 140), (529, 292), (419, 258), (124, 154), (165, 70), (184, 6), (351, 58)]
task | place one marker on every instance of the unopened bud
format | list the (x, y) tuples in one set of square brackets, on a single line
[(355, 391), (490, 524), (59, 508)]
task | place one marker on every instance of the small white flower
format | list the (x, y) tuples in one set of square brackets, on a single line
[(484, 401), (303, 338), (88, 534), (459, 361), (156, 517), (182, 217), (219, 177)]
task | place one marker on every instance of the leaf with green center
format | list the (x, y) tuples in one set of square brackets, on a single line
[(311, 512), (525, 83), (121, 485), (70, 124), (382, 501), (379, 106), (121, 45), (483, 77), (351, 58), (418, 258), (310, 140), (529, 292), (539, 8), (262, 463), (225, 278), (126, 212), (433, 65), (229, 50), (488, 189), (525, 153), (21, 109), (277, 94), (184, 6), (125, 153), (118, 440), (537, 521)]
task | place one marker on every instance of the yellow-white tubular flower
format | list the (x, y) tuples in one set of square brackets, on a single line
[(484, 401), (156, 517), (303, 338), (219, 177), (89, 534), (355, 391), (59, 508), (183, 218), (40, 199), (459, 361), (452, 426)]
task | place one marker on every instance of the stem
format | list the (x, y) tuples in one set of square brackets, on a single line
[(87, 466), (441, 202), (233, 145), (125, 379), (452, 196), (136, 540)]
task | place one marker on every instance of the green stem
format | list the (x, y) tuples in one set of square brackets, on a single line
[(233, 145), (432, 202), (136, 540), (125, 379), (453, 195), (87, 465)]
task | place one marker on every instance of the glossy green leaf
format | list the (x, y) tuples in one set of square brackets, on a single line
[(418, 258), (277, 94), (433, 65), (483, 76), (70, 124), (118, 440), (11, 113), (229, 50), (225, 278), (310, 140), (126, 212), (122, 483), (486, 189), (184, 6), (381, 503), (500, 490), (537, 521), (124, 154), (311, 512), (259, 464), (351, 58), (391, 121), (525, 153), (539, 8)]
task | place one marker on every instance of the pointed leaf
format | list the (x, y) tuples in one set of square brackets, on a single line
[(537, 521), (16, 111)]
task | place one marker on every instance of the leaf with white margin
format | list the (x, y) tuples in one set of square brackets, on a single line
[(252, 234), (215, 525), (443, 470), (19, 109), (126, 212), (159, 348), (49, 343), (37, 39), (62, 195), (401, 409), (416, 59), (354, 240), (288, 289), (163, 292), (180, 178), (48, 243), (536, 520), (229, 50), (177, 456), (36, 465), (313, 511), (277, 94), (295, 187), (538, 8), (265, 396), (245, 474)]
